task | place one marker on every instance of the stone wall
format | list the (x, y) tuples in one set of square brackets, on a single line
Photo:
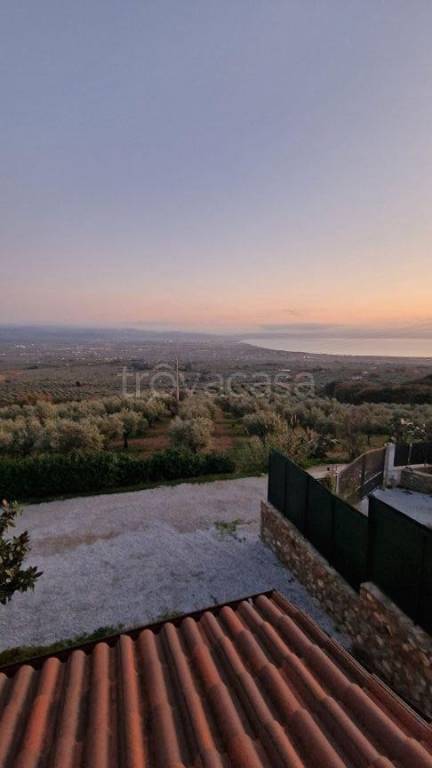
[(388, 641), (416, 480)]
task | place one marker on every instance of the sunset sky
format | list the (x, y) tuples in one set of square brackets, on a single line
[(225, 165)]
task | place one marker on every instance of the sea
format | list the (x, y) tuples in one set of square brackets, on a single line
[(381, 347)]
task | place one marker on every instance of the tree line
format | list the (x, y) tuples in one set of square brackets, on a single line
[(87, 425)]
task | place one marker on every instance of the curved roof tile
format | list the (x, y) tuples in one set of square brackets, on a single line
[(252, 684)]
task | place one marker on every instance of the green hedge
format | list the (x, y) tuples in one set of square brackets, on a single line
[(77, 473)]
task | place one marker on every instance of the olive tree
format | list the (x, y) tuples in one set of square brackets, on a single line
[(78, 436), (193, 434), (263, 423)]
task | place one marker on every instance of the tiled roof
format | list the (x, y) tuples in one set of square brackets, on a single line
[(249, 684)]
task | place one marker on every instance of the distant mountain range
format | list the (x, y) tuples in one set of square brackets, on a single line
[(27, 334)]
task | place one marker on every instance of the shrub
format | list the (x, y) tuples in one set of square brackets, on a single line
[(197, 406), (252, 456), (72, 435), (262, 423), (171, 464), (13, 577), (191, 434), (76, 473), (217, 464)]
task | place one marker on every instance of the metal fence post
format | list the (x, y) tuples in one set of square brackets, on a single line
[(306, 508), (332, 531), (410, 453), (370, 539), (421, 583)]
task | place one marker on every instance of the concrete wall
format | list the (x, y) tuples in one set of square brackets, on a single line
[(389, 642)]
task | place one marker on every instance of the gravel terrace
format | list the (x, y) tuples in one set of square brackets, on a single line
[(134, 558)]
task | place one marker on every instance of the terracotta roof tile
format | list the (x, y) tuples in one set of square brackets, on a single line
[(253, 684)]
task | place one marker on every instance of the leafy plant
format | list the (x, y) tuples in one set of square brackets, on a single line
[(228, 528), (13, 577), (193, 434), (74, 473)]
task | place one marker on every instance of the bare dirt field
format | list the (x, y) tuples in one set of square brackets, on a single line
[(134, 558)]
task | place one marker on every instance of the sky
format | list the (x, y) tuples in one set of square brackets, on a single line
[(228, 165)]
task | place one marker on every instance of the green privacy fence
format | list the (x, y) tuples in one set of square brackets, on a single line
[(386, 547), (335, 528), (400, 560), (413, 453)]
